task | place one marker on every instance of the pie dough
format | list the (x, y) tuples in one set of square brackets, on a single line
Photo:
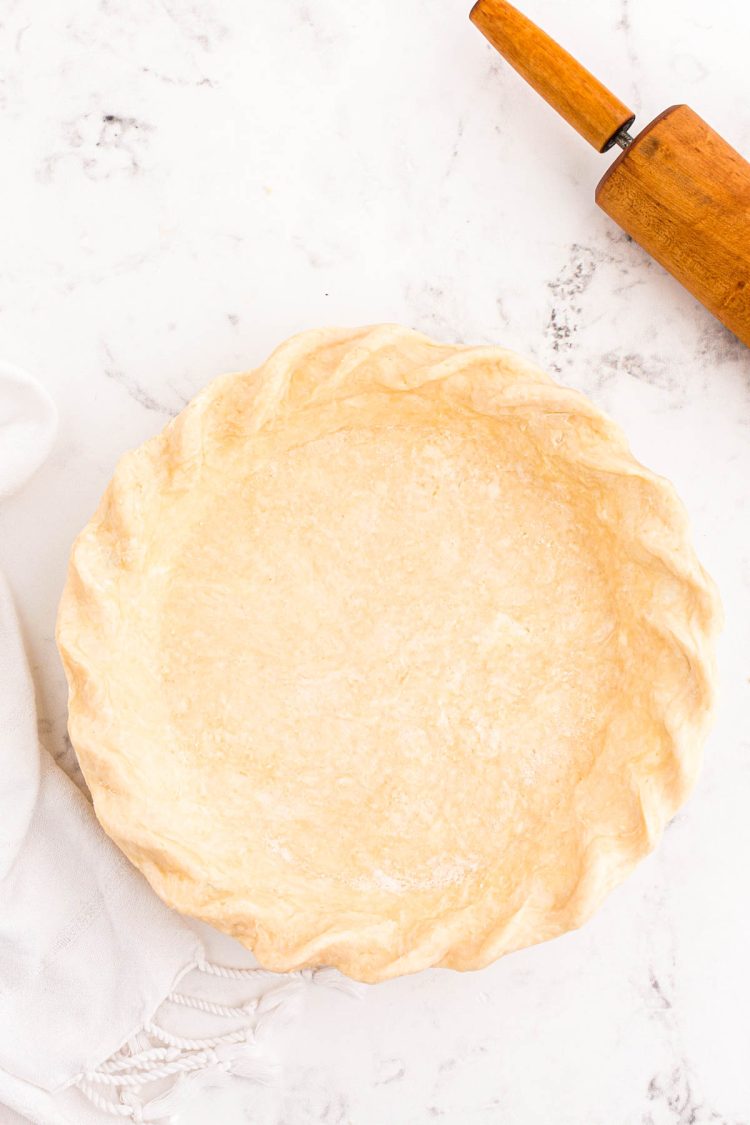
[(386, 655)]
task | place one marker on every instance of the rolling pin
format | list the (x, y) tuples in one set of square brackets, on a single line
[(677, 188)]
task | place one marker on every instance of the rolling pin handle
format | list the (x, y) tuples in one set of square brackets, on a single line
[(568, 87)]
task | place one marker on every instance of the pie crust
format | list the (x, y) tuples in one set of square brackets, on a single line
[(386, 655)]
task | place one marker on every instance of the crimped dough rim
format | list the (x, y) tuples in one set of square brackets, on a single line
[(489, 382)]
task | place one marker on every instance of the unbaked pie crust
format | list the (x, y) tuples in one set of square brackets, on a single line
[(387, 654)]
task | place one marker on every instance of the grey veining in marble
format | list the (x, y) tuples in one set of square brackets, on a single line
[(187, 183)]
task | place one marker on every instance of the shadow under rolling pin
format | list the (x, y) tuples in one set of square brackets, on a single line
[(677, 188)]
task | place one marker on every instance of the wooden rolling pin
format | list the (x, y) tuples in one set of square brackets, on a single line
[(677, 188)]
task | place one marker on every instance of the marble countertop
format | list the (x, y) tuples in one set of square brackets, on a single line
[(187, 183)]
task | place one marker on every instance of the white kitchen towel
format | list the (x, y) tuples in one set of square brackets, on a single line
[(96, 1020)]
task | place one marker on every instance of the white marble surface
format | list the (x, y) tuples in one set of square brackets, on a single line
[(187, 182)]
